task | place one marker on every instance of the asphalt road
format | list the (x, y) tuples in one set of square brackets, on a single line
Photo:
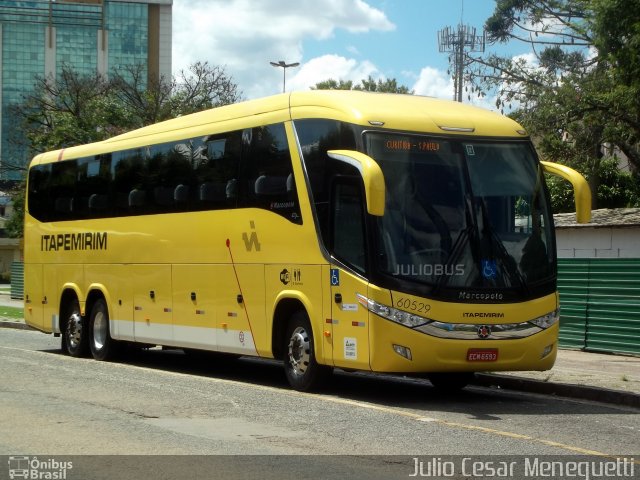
[(164, 403)]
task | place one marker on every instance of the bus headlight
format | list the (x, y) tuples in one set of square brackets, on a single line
[(546, 321), (403, 318)]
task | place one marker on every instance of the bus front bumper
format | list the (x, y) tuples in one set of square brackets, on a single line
[(395, 348)]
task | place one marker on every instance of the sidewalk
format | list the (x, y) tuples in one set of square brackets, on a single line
[(576, 374), (590, 376), (6, 300)]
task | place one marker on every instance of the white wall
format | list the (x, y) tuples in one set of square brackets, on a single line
[(583, 242)]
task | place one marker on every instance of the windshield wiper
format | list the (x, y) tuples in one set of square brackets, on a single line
[(459, 245), (506, 260)]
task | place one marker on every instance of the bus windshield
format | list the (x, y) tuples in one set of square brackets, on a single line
[(462, 213)]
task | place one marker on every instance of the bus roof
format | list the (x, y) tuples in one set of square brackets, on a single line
[(402, 112), (393, 111)]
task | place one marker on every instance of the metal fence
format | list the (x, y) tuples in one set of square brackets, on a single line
[(17, 280), (600, 304)]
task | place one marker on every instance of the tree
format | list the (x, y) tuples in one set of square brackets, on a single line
[(147, 100), (369, 84), (200, 87), (617, 39), (75, 109), (332, 84), (616, 189), (14, 226), (581, 90), (203, 86), (71, 110)]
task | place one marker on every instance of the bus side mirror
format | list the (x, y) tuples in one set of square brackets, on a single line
[(581, 190), (372, 177)]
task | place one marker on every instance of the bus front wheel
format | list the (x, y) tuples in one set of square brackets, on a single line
[(303, 372), (102, 345), (75, 341)]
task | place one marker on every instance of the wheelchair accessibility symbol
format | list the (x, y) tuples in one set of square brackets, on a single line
[(335, 277), (489, 269)]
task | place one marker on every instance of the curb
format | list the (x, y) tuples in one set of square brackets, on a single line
[(582, 392), (15, 325)]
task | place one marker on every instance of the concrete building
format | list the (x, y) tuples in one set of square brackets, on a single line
[(38, 37), (612, 233)]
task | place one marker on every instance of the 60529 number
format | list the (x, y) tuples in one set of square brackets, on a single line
[(413, 305)]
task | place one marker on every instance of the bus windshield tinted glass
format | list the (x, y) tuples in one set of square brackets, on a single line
[(462, 213)]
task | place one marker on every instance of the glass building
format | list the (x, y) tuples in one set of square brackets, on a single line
[(39, 37)]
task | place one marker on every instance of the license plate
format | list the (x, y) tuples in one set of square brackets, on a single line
[(482, 355)]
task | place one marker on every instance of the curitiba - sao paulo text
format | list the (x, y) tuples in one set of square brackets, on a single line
[(74, 241)]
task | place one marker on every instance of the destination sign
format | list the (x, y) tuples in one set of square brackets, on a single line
[(420, 146)]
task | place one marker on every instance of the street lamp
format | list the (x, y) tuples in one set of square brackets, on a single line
[(284, 66)]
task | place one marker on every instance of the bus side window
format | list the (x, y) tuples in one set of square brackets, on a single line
[(267, 179), (94, 176), (316, 136), (171, 174), (216, 170), (129, 181), (38, 200), (63, 189)]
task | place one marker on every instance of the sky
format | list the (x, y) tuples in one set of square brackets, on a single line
[(339, 39)]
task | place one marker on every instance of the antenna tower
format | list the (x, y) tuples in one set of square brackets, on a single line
[(455, 41)]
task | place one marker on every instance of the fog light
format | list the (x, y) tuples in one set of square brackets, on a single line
[(402, 351), (547, 350)]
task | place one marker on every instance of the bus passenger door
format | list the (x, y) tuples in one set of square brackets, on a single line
[(152, 304), (349, 320), (349, 326)]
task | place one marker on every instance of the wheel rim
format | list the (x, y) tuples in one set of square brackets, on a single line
[(74, 329), (99, 330), (299, 351)]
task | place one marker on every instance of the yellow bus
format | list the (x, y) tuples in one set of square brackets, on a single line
[(363, 231)]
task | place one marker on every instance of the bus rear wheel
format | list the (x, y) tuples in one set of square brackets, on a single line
[(450, 381), (74, 340), (303, 372), (103, 347)]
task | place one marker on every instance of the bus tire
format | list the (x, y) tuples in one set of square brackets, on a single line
[(75, 338), (303, 372), (102, 346), (450, 381)]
